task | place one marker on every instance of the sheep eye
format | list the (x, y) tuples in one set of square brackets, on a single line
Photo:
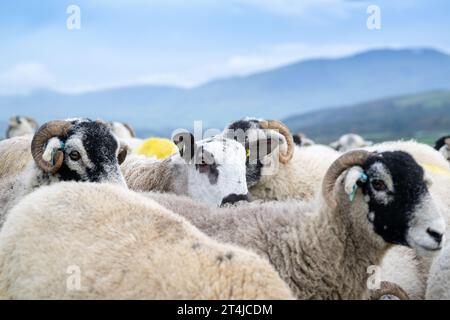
[(379, 185), (203, 167), (75, 155)]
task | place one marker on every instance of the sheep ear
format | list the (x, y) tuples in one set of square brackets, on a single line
[(53, 145), (353, 176), (186, 145), (264, 146), (335, 145), (124, 150)]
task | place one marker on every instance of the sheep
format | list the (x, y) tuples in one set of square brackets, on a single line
[(401, 265), (443, 146), (322, 248), (20, 126), (122, 130), (211, 170), (14, 155), (436, 167), (123, 246), (438, 286), (126, 134), (302, 141), (388, 291), (349, 142), (161, 148), (78, 150), (282, 171)]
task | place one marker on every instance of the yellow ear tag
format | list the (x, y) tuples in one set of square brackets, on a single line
[(436, 169), (248, 153)]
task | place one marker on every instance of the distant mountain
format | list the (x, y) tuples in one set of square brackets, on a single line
[(424, 116), (293, 89)]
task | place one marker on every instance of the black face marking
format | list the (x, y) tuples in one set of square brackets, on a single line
[(244, 125), (391, 220), (205, 163), (441, 142), (253, 168), (100, 146), (297, 139), (234, 198)]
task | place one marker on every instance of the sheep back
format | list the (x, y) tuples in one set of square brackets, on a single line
[(15, 154), (124, 246)]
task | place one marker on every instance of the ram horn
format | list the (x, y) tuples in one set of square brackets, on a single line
[(344, 162), (447, 142), (388, 289), (129, 128), (57, 128), (123, 152), (277, 125)]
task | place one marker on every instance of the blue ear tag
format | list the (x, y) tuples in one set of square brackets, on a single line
[(362, 178), (61, 147)]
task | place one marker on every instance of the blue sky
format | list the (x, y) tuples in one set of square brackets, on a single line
[(188, 42)]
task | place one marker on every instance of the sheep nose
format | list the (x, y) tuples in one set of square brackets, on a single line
[(233, 198), (437, 236)]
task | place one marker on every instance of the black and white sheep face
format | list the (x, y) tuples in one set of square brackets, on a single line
[(443, 146), (259, 143), (400, 207), (90, 153), (215, 168), (349, 142), (218, 172)]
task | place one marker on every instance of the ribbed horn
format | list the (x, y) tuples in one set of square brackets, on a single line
[(277, 125), (447, 142), (132, 132), (123, 152), (344, 162), (57, 128), (388, 289)]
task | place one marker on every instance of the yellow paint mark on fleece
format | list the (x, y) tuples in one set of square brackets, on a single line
[(436, 169), (160, 148)]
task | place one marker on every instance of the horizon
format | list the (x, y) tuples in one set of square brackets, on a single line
[(231, 77)]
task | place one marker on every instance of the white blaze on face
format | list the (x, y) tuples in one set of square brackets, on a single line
[(426, 217), (224, 177), (380, 172), (75, 143)]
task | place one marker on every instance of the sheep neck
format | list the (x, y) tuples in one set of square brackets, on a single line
[(331, 264)]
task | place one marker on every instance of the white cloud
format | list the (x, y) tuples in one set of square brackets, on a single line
[(25, 77), (296, 7)]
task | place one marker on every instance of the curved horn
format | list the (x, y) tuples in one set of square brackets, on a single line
[(123, 152), (388, 289), (343, 163), (447, 142), (277, 125), (132, 132), (47, 131)]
